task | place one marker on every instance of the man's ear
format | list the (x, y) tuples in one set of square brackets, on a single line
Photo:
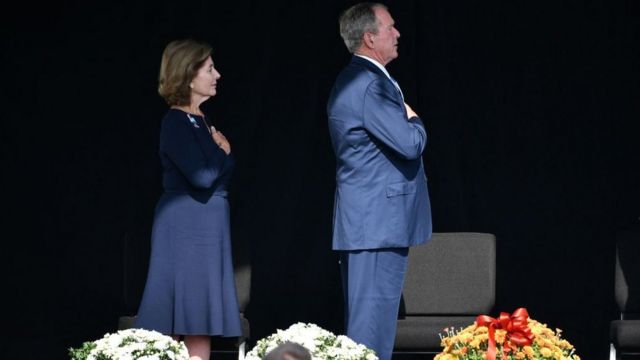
[(369, 40)]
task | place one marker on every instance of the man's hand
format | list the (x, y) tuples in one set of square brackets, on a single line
[(410, 112)]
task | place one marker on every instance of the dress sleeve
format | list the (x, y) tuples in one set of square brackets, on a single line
[(193, 152), (386, 119)]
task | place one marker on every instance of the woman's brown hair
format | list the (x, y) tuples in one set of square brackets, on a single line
[(181, 60)]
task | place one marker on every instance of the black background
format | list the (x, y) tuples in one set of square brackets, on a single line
[(531, 108)]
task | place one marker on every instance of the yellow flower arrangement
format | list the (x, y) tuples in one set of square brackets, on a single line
[(510, 337)]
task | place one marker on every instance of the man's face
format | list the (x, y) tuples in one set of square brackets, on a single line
[(386, 40)]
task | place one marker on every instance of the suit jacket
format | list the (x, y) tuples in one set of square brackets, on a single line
[(381, 198)]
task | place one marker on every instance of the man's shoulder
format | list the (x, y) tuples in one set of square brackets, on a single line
[(360, 64), (358, 72)]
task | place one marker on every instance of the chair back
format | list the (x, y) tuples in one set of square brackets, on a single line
[(453, 274), (135, 262), (243, 285), (627, 272)]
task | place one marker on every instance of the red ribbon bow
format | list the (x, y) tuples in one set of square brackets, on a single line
[(516, 325)]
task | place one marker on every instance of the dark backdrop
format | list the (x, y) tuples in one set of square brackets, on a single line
[(531, 108)]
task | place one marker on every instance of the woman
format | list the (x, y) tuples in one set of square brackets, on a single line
[(190, 290)]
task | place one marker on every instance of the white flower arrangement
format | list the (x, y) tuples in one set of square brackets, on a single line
[(322, 344), (131, 344)]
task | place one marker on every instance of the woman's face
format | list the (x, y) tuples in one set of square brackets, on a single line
[(204, 84)]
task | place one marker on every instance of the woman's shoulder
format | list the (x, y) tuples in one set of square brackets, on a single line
[(175, 122), (175, 117), (173, 113)]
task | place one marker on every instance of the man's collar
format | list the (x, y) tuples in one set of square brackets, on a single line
[(374, 62)]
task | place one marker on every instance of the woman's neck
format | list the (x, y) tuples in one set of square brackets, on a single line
[(195, 110)]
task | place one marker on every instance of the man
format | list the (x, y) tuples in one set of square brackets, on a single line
[(288, 351), (381, 201)]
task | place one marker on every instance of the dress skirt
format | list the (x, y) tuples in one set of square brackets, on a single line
[(190, 287)]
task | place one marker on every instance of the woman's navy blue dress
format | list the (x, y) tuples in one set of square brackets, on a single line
[(190, 287)]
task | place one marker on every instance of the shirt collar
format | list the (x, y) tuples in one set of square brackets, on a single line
[(380, 66)]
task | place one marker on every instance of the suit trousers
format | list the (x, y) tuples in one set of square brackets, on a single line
[(372, 281)]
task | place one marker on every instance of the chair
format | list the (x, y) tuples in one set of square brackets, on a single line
[(243, 288), (625, 332), (135, 263), (449, 281)]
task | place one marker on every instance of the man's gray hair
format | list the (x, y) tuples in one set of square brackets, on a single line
[(357, 20)]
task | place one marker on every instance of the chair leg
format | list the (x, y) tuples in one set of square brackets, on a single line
[(612, 353), (241, 350)]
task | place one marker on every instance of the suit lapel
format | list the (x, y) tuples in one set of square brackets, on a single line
[(358, 61)]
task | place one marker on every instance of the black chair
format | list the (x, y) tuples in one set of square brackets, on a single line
[(135, 261), (225, 345), (625, 332), (449, 281)]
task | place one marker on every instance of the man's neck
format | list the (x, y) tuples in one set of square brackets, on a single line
[(374, 61), (369, 55)]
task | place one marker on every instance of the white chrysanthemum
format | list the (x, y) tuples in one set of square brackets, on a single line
[(138, 344)]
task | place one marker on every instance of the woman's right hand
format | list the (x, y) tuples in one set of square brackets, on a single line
[(221, 140)]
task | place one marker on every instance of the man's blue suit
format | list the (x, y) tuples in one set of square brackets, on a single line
[(381, 200)]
